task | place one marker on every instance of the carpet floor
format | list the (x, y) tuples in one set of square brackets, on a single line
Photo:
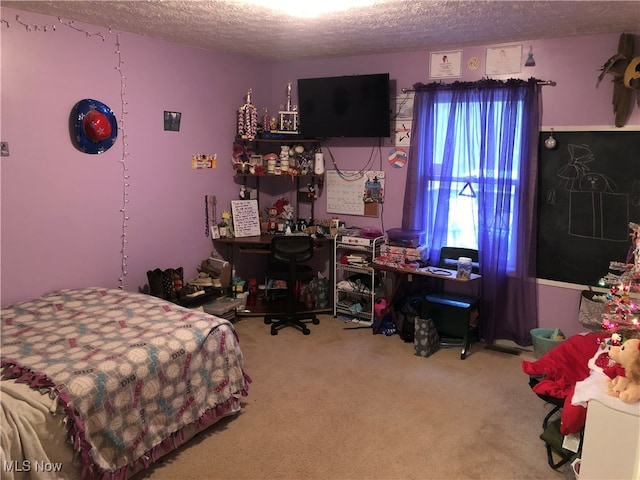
[(342, 403)]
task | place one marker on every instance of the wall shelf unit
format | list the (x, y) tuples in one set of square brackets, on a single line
[(306, 183), (301, 181)]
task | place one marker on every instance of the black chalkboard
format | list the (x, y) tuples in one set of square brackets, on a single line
[(588, 192)]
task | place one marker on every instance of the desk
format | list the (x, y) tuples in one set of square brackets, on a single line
[(260, 245), (399, 272), (433, 272), (455, 327)]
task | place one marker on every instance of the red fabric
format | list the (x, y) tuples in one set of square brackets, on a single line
[(561, 368), (614, 371)]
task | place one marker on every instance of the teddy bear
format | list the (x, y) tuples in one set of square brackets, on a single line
[(625, 383)]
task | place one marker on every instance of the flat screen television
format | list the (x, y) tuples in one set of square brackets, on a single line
[(348, 106)]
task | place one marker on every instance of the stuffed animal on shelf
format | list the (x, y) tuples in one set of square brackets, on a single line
[(272, 221), (624, 382)]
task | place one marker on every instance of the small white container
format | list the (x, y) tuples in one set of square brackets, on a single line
[(242, 301), (318, 164), (464, 268)]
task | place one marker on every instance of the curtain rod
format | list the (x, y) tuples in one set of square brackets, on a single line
[(540, 82)]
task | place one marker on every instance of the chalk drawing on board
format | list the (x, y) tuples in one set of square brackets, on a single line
[(593, 197)]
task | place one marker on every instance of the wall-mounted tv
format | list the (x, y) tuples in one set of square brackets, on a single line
[(349, 106)]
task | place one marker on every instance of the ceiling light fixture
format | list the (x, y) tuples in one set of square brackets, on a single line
[(308, 9)]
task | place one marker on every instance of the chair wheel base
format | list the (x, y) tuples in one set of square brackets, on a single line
[(278, 322)]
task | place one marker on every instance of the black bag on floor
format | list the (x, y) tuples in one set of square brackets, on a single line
[(409, 309), (319, 289), (407, 326)]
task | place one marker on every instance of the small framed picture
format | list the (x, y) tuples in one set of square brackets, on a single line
[(446, 64), (504, 60), (172, 121)]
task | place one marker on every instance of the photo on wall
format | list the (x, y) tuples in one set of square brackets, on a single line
[(172, 121), (445, 64)]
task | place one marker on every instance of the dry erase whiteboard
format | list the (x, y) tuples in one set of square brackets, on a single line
[(345, 193), (246, 218)]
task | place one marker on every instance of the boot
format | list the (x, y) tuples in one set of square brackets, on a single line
[(167, 285), (155, 283)]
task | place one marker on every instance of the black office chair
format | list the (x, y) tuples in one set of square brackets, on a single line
[(551, 434), (454, 315), (286, 254)]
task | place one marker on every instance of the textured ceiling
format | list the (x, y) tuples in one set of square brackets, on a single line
[(387, 26)]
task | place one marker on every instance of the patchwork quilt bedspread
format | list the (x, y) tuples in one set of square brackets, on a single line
[(129, 370)]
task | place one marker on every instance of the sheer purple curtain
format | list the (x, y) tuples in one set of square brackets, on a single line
[(502, 122)]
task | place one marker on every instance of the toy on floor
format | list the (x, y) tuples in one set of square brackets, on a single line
[(624, 377)]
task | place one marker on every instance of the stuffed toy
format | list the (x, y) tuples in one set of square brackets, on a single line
[(624, 378)]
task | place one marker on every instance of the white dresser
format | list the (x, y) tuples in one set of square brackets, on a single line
[(611, 446)]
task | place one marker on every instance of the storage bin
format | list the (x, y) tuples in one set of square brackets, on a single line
[(222, 306), (405, 238), (542, 341), (400, 254)]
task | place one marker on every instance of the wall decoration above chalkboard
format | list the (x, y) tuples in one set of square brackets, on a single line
[(624, 97), (588, 192)]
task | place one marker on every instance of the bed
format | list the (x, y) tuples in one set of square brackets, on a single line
[(100, 383)]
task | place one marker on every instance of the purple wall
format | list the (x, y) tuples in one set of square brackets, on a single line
[(60, 212), (573, 63), (61, 221)]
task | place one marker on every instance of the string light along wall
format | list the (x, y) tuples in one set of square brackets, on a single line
[(121, 124)]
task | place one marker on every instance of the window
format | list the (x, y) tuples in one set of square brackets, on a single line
[(471, 180), (454, 190)]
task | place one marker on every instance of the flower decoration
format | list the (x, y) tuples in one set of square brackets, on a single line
[(280, 204), (227, 220), (287, 212), (240, 158)]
